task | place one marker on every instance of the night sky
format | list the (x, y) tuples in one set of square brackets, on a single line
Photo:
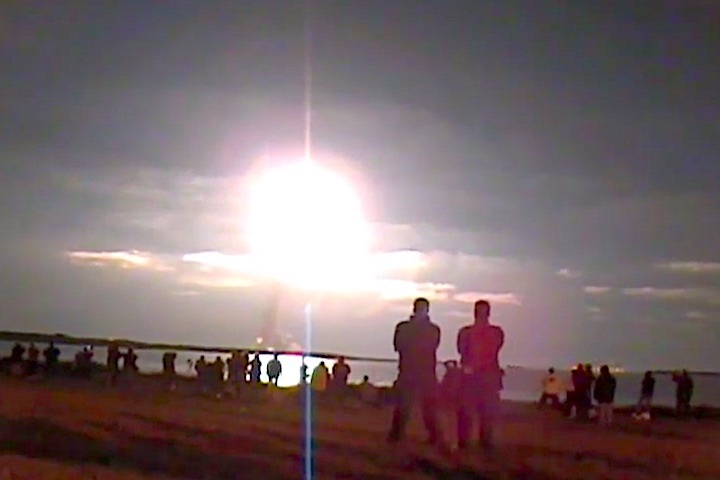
[(559, 158)]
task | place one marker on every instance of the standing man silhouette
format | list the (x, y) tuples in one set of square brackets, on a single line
[(416, 340), (479, 346)]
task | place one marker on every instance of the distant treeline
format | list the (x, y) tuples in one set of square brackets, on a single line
[(62, 339)]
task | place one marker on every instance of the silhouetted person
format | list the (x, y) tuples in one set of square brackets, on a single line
[(589, 391), (647, 391), (303, 374), (605, 385), (416, 340), (683, 393), (33, 359), (130, 361), (243, 366), (340, 375), (113, 362), (552, 386), (368, 392), (479, 347), (52, 357), (201, 370), (169, 373), (320, 378), (83, 362), (236, 368), (17, 354), (274, 370), (581, 392), (217, 375), (255, 367)]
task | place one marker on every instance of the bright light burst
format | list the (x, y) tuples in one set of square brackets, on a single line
[(306, 227)]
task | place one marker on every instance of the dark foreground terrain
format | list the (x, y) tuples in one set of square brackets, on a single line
[(72, 430)]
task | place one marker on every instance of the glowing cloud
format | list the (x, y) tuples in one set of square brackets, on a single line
[(596, 290), (567, 273), (704, 268), (370, 279), (125, 259), (493, 298), (699, 295)]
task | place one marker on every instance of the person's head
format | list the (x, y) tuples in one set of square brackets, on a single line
[(579, 367), (275, 356), (366, 379), (605, 370), (482, 311), (648, 374), (421, 307), (551, 370), (588, 367), (341, 360)]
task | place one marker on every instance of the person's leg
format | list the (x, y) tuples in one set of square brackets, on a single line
[(430, 418), (467, 404), (602, 414), (487, 416), (555, 402), (401, 415), (610, 413)]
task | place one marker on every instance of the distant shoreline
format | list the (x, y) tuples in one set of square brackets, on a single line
[(63, 339)]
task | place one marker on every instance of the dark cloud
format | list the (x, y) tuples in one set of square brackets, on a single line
[(508, 140)]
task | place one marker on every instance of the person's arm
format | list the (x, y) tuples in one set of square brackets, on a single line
[(397, 337), (436, 337), (500, 337), (461, 342)]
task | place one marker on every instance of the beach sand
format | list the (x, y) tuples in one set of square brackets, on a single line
[(76, 430)]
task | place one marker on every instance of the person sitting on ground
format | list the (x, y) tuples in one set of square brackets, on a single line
[(552, 386), (274, 370), (683, 393), (368, 392), (450, 385), (52, 357), (449, 401), (320, 378), (604, 394), (647, 391), (340, 375)]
